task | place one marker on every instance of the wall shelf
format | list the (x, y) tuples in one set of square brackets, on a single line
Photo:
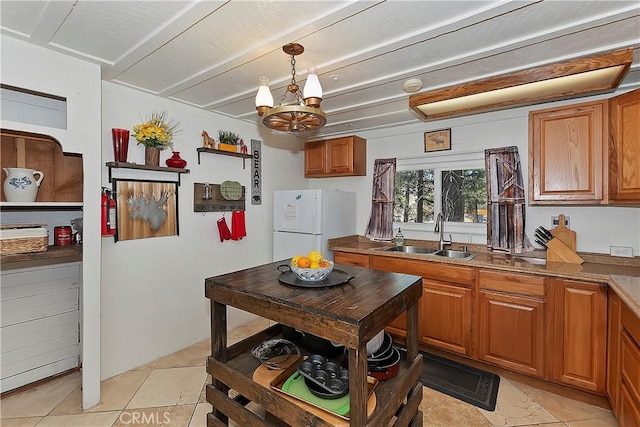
[(125, 165), (224, 153)]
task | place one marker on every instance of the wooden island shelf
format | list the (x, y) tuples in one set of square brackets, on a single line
[(350, 314)]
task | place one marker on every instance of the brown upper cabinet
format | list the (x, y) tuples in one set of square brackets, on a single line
[(587, 153), (346, 156), (624, 148), (566, 154), (63, 175)]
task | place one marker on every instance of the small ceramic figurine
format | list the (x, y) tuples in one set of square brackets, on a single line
[(243, 147), (207, 142)]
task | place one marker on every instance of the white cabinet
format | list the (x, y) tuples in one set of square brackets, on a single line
[(39, 318)]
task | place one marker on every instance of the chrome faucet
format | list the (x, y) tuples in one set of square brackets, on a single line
[(440, 228)]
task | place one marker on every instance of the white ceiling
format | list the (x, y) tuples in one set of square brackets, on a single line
[(209, 54)]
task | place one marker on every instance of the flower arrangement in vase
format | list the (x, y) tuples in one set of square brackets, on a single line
[(228, 141), (156, 134)]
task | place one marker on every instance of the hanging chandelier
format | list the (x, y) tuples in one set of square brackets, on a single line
[(301, 112)]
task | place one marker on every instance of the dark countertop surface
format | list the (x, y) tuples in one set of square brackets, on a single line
[(621, 274), (354, 311)]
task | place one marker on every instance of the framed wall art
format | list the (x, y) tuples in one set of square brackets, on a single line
[(145, 209), (437, 140)]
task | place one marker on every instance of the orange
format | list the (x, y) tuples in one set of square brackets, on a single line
[(324, 263), (304, 262)]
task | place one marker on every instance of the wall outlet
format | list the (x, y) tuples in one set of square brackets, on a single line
[(555, 221), (622, 251)]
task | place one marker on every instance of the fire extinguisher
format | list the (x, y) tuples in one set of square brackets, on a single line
[(108, 213)]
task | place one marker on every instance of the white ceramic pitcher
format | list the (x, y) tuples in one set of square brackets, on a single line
[(21, 185)]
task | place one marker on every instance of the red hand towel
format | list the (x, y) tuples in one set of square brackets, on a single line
[(238, 229), (223, 229)]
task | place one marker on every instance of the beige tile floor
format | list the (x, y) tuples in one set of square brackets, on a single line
[(170, 392)]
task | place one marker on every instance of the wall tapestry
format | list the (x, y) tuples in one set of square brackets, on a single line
[(145, 209)]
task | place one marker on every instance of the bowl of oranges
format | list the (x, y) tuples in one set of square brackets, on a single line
[(311, 267)]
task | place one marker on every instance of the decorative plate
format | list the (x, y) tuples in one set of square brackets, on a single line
[(231, 190)]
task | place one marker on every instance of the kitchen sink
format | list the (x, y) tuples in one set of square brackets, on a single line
[(449, 253), (411, 250)]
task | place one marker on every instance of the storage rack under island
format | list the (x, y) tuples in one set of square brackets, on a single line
[(349, 314)]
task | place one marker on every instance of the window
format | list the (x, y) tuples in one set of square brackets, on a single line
[(456, 187)]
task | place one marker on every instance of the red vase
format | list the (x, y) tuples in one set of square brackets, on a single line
[(175, 161)]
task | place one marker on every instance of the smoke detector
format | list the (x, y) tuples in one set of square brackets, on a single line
[(412, 85)]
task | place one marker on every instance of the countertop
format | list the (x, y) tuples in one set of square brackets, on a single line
[(621, 274)]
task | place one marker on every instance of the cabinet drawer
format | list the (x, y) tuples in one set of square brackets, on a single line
[(630, 323), (630, 363), (26, 334), (40, 354), (429, 270), (511, 282), (37, 281), (349, 258), (38, 306)]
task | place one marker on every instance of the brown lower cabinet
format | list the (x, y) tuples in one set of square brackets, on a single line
[(623, 384), (579, 334), (511, 332), (511, 313), (451, 304), (445, 308), (550, 328)]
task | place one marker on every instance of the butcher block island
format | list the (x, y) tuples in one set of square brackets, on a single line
[(350, 313)]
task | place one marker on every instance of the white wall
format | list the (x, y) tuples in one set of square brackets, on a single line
[(597, 227), (32, 67), (153, 299)]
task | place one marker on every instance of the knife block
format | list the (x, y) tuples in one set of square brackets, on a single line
[(557, 251)]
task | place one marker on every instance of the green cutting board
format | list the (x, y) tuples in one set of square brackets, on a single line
[(295, 386)]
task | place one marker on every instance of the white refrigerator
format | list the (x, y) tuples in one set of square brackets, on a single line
[(305, 220)]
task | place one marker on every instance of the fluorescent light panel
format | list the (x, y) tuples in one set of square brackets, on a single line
[(559, 81)]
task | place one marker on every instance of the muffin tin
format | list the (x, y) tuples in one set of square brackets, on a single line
[(324, 378)]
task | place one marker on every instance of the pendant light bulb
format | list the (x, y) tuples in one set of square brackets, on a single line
[(264, 99), (312, 89)]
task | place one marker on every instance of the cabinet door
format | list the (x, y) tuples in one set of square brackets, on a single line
[(566, 151), (445, 317), (629, 411), (580, 331), (345, 156), (349, 258), (511, 332), (624, 148), (340, 155), (613, 360), (315, 159)]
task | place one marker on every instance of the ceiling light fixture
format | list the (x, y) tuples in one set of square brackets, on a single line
[(579, 77), (303, 112)]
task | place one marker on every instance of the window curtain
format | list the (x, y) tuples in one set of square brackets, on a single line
[(505, 201), (381, 220)]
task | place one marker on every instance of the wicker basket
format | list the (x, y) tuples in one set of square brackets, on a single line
[(23, 238)]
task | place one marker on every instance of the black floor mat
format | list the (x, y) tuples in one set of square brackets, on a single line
[(471, 385)]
